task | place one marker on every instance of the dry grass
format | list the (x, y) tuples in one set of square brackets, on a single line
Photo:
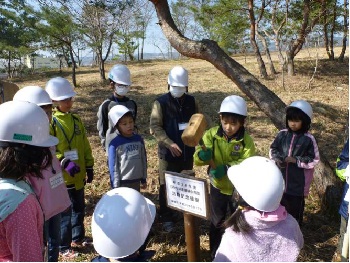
[(329, 96)]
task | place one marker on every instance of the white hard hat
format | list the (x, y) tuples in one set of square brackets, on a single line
[(24, 122), (121, 222), (259, 181), (178, 77), (116, 112), (302, 105), (120, 74), (33, 94), (59, 89), (234, 104)]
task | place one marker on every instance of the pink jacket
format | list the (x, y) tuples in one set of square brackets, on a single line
[(272, 240), (21, 233), (51, 191)]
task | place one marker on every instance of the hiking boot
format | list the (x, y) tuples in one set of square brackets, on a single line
[(68, 254)]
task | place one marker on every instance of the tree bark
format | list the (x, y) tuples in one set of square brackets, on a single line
[(345, 32), (267, 101), (259, 59), (268, 55)]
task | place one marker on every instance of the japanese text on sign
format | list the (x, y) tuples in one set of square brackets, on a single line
[(186, 194)]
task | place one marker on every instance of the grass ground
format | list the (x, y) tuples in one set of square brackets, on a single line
[(328, 95)]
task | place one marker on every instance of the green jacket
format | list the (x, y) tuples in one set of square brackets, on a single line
[(225, 153), (69, 127)]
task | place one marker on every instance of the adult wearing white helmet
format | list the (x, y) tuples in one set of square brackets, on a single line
[(227, 144), (53, 199), (260, 229), (296, 153), (170, 115), (119, 80), (127, 167), (24, 152), (121, 223)]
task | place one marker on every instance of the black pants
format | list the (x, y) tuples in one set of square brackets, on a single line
[(295, 206), (220, 204)]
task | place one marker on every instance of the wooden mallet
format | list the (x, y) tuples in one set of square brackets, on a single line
[(193, 133)]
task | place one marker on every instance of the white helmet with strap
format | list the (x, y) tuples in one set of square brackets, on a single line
[(25, 122), (259, 182), (121, 222), (120, 74), (59, 89), (302, 105), (33, 94), (234, 104)]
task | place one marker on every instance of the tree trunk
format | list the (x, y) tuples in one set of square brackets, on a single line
[(259, 59), (345, 32), (267, 101), (74, 66), (267, 51)]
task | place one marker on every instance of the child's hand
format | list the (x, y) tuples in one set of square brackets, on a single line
[(280, 164), (89, 174), (205, 155), (290, 159), (218, 172), (71, 168)]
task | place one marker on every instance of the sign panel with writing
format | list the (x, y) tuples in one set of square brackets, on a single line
[(187, 194)]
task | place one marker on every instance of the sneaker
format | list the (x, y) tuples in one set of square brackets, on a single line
[(68, 254), (82, 243), (168, 226)]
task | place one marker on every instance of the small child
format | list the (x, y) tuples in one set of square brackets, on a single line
[(227, 144), (127, 160), (24, 152), (119, 78), (295, 152), (260, 230), (74, 152), (51, 189), (342, 170), (120, 224)]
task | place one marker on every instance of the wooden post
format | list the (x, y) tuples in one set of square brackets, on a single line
[(192, 237), (191, 232)]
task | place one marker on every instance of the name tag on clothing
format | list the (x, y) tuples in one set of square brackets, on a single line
[(72, 155), (56, 180), (183, 126)]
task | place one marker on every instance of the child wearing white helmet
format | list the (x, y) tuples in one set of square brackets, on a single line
[(25, 144), (295, 151), (260, 230), (120, 224), (227, 144), (74, 152), (127, 159), (119, 78), (51, 189), (343, 172)]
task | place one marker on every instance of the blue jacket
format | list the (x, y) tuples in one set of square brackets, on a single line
[(342, 163)]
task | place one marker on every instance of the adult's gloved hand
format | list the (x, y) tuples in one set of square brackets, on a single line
[(205, 155), (218, 172), (71, 167), (89, 174)]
